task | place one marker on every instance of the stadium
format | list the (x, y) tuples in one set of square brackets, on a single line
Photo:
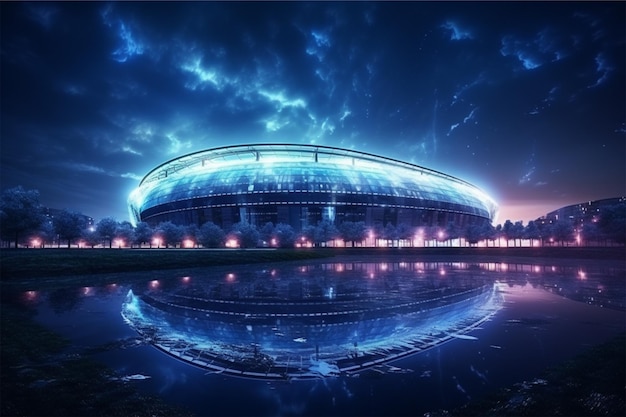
[(301, 185)]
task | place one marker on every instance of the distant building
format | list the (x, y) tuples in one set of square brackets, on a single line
[(581, 213), (301, 185), (50, 213)]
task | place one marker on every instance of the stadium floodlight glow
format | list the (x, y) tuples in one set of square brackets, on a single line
[(302, 185)]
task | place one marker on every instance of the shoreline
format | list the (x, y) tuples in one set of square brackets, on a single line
[(31, 264)]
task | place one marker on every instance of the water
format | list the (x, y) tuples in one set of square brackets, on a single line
[(513, 321)]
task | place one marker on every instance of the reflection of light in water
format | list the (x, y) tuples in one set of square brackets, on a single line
[(582, 274), (286, 332), (154, 284), (31, 295), (87, 291), (230, 277), (186, 279)]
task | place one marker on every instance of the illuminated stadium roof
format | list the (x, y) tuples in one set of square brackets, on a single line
[(258, 177)]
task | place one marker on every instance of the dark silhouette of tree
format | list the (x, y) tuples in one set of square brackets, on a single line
[(352, 231), (452, 232), (69, 225), (562, 231), (487, 232), (285, 235), (211, 235), (325, 231), (507, 231), (171, 233), (405, 232), (612, 223), (106, 228), (143, 233), (309, 234), (498, 233), (590, 233), (20, 213), (532, 232), (517, 233), (390, 234), (125, 232), (266, 233), (45, 233), (378, 232), (247, 234), (473, 233), (91, 237), (192, 232)]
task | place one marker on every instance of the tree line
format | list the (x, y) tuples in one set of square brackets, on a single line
[(23, 222)]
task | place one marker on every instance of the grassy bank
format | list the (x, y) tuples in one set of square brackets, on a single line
[(38, 379), (591, 384), (25, 264), (36, 263)]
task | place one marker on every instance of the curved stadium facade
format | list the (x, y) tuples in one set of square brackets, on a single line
[(301, 185)]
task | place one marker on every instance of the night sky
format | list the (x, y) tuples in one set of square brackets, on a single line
[(525, 100)]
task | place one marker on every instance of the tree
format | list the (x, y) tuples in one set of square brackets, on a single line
[(192, 233), (532, 232), (69, 225), (285, 235), (143, 233), (20, 213), (91, 237), (325, 231), (377, 231), (390, 233), (171, 233), (612, 223), (517, 232), (106, 229), (309, 234), (452, 232), (126, 233), (46, 232), (498, 233), (405, 232), (590, 233), (267, 232), (473, 233), (507, 231), (211, 235), (352, 231), (488, 232), (563, 231), (247, 234)]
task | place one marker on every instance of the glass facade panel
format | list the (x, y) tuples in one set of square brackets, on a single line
[(279, 175)]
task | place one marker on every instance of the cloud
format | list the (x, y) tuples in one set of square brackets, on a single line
[(203, 76), (603, 69), (93, 169), (524, 51), (471, 116), (456, 32), (129, 45), (44, 14)]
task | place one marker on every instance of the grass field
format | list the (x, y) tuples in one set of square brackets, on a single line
[(36, 263), (24, 264)]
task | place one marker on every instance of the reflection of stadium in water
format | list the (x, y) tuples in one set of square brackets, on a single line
[(327, 318), (311, 321)]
